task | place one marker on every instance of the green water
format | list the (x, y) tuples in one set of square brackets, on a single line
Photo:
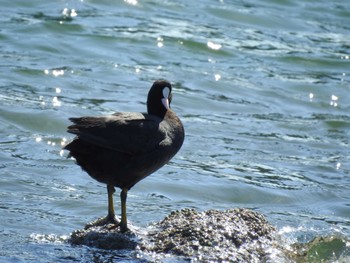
[(262, 88)]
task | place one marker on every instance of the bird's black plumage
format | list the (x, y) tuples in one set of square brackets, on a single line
[(123, 148)]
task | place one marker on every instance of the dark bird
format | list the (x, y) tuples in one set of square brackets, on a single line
[(123, 148)]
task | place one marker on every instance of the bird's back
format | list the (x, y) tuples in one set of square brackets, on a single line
[(124, 148)]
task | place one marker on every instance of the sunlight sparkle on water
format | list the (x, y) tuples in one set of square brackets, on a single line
[(337, 166), (51, 143), (55, 72), (73, 13), (334, 101), (41, 99), (311, 96), (63, 142), (58, 72), (160, 42), (131, 2), (56, 102), (213, 45), (49, 238), (70, 13)]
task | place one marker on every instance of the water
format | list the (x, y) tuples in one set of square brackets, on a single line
[(262, 88)]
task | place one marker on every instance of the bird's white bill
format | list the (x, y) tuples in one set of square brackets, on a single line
[(165, 102)]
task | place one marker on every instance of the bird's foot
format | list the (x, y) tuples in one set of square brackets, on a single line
[(123, 227), (119, 225), (109, 222), (111, 219)]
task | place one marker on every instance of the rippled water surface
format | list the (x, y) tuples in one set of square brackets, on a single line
[(262, 87)]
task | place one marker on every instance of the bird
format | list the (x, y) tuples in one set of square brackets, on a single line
[(121, 149)]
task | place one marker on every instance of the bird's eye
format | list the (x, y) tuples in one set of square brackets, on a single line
[(166, 92)]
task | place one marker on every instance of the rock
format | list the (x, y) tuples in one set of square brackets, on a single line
[(105, 236), (322, 249), (236, 235)]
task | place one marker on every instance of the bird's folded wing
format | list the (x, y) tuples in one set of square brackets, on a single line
[(130, 133)]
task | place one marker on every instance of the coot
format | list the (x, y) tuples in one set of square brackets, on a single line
[(123, 148)]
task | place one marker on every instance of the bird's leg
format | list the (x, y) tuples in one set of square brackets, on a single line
[(123, 223), (111, 215), (110, 218)]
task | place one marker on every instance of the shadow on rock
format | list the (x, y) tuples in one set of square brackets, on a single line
[(105, 236)]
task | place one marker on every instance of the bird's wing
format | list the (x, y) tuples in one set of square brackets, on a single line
[(130, 133)]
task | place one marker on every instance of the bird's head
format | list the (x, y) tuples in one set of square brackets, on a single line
[(159, 98)]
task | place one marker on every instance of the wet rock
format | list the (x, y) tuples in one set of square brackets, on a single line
[(322, 249), (236, 235), (105, 236)]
